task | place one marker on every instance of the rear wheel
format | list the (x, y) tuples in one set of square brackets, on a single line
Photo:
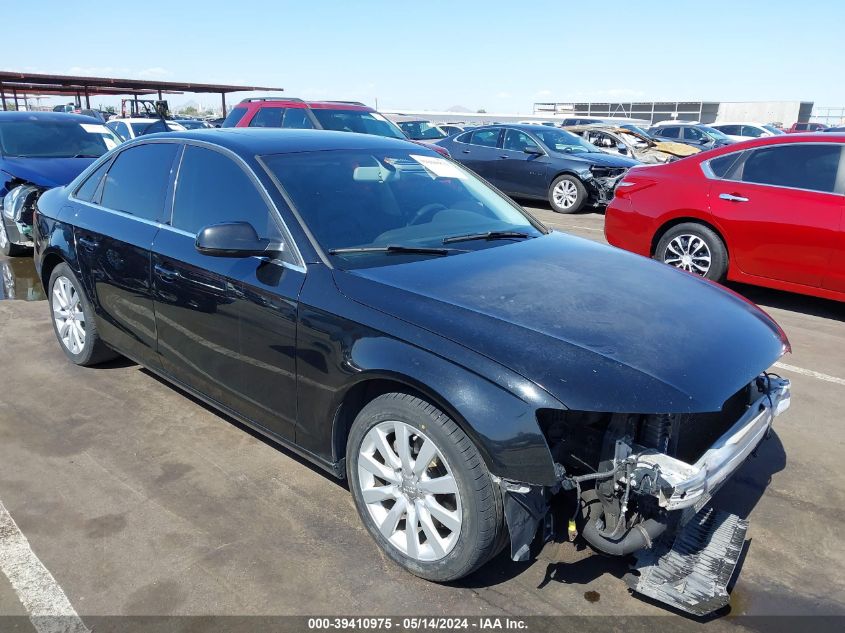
[(567, 194), (422, 489), (73, 320), (695, 248)]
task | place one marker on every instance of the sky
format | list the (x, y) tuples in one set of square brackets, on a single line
[(498, 55)]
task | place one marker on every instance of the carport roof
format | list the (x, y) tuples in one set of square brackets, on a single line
[(121, 84)]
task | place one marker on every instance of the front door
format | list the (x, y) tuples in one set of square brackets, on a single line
[(227, 326), (520, 173)]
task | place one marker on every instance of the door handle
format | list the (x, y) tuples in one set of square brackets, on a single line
[(464, 151), (504, 156), (88, 243), (732, 198), (165, 274)]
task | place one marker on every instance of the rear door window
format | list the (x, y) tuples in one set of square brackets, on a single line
[(486, 138), (731, 130), (797, 165), (234, 116), (212, 188), (668, 132), (268, 117), (138, 180), (87, 189)]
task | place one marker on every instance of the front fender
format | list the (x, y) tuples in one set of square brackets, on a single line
[(336, 356)]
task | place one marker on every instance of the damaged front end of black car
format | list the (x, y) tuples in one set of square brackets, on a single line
[(641, 484), (16, 211)]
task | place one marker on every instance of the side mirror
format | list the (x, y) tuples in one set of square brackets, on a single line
[(533, 150), (622, 148), (234, 239)]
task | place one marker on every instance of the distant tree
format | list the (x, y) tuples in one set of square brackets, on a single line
[(111, 109), (189, 111), (481, 111)]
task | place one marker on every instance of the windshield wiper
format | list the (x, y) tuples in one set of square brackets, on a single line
[(422, 250), (489, 235), (86, 156)]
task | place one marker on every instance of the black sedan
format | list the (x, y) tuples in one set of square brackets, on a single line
[(384, 313), (540, 162)]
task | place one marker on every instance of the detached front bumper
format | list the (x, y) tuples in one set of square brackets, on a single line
[(684, 485)]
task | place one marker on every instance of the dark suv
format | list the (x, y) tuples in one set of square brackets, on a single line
[(340, 116), (701, 136)]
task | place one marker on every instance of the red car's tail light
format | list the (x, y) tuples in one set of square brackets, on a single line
[(630, 184)]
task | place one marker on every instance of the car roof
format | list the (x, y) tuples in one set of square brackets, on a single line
[(258, 141), (45, 116), (299, 103)]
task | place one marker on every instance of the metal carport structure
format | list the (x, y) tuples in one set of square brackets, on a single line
[(42, 84)]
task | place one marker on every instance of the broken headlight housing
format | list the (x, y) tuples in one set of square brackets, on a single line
[(18, 200)]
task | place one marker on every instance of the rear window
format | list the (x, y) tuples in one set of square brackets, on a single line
[(234, 116), (669, 132)]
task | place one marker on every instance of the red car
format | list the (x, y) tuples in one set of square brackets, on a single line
[(800, 128), (769, 212), (342, 116)]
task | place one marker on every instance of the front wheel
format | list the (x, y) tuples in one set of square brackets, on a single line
[(6, 247), (694, 248), (422, 489), (567, 194)]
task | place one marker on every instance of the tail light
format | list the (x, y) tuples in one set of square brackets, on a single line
[(632, 183)]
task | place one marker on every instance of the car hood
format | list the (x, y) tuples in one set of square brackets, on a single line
[(598, 158), (598, 328), (45, 172)]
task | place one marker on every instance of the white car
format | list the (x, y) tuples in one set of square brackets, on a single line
[(744, 130), (130, 128)]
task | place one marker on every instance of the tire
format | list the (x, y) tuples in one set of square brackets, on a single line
[(567, 194), (695, 248), (460, 527), (73, 320), (6, 247)]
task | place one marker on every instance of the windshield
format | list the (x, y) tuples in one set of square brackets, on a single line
[(711, 131), (359, 121), (562, 141), (357, 198), (773, 129), (35, 138), (421, 130), (638, 130)]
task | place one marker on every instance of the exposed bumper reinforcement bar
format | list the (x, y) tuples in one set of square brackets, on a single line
[(685, 485)]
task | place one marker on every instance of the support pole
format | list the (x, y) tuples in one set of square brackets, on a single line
[(3, 96), (223, 98), (15, 95), (87, 100)]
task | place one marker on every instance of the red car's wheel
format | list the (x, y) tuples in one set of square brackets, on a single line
[(695, 248)]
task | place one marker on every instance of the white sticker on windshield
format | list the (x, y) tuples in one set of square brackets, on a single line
[(95, 128), (440, 167)]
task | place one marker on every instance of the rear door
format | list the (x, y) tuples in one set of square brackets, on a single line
[(227, 326), (520, 173), (114, 231), (482, 153), (782, 210)]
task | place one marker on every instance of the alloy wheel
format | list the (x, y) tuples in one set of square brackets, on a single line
[(565, 194), (68, 315), (409, 491), (690, 253)]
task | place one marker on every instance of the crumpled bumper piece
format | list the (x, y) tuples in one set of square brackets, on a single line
[(685, 485), (694, 572)]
